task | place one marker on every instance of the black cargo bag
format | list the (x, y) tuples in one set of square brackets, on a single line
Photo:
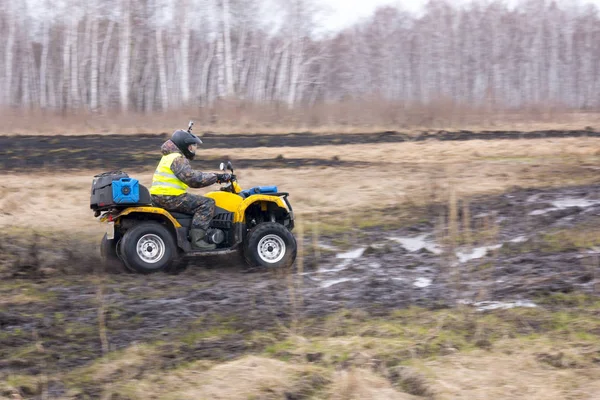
[(101, 198)]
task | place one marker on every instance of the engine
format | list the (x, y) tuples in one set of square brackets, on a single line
[(220, 229)]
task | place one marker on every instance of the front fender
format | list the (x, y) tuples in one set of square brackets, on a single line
[(239, 215)]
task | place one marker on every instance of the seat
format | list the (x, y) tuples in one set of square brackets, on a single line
[(178, 215)]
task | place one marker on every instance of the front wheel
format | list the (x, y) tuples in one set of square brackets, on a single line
[(270, 245), (148, 247)]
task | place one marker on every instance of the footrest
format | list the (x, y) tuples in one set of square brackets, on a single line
[(206, 253)]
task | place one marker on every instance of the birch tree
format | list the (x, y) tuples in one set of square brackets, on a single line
[(9, 66), (94, 39), (124, 49), (163, 54)]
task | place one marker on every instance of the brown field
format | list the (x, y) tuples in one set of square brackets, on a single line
[(397, 174), (216, 333)]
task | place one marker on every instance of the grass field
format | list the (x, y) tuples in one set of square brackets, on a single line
[(409, 354), (71, 331)]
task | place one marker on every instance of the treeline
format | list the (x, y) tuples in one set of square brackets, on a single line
[(148, 55)]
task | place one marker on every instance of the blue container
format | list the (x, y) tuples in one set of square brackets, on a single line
[(259, 190), (267, 189), (126, 191)]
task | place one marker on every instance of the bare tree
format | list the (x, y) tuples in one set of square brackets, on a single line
[(124, 51), (160, 54), (9, 66)]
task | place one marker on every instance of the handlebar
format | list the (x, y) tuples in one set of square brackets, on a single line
[(230, 187)]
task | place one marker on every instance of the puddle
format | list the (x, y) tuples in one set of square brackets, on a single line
[(498, 305), (543, 211), (417, 243), (594, 250), (566, 203), (341, 266), (332, 282), (501, 305), (378, 246), (482, 215), (327, 247), (422, 282), (479, 252), (519, 239), (351, 255), (571, 202)]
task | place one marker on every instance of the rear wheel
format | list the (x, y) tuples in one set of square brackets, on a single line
[(109, 254), (270, 245), (148, 247)]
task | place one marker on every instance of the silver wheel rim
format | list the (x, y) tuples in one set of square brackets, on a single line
[(271, 249), (150, 248)]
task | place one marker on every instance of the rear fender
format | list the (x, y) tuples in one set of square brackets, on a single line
[(149, 210), (156, 213)]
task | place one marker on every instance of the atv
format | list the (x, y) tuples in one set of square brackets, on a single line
[(256, 223)]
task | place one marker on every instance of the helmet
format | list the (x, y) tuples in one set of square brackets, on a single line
[(183, 139)]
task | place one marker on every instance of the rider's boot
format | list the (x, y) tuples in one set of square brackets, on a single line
[(198, 239)]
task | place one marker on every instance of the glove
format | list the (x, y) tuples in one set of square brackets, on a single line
[(223, 178)]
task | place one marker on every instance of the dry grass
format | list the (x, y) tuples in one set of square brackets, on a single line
[(122, 365), (39, 202), (235, 117), (18, 299), (250, 377), (527, 151), (360, 384), (409, 174), (514, 371), (410, 353), (414, 353)]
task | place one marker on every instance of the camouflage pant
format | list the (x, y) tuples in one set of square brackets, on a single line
[(202, 207)]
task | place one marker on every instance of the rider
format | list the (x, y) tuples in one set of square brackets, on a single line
[(172, 178)]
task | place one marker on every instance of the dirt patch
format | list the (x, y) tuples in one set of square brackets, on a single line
[(135, 151), (62, 160), (511, 248)]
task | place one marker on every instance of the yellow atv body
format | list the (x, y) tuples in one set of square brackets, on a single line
[(148, 239)]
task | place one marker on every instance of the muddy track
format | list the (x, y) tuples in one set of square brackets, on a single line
[(512, 260), (130, 151)]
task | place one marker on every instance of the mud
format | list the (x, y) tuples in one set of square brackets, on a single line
[(64, 160), (511, 261), (133, 151)]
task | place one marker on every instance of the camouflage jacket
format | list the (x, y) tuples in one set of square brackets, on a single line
[(183, 170)]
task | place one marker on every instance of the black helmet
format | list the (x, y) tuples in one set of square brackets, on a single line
[(183, 139)]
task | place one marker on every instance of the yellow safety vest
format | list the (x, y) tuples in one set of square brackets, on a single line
[(164, 181)]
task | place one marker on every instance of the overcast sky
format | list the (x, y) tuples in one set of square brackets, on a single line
[(345, 12)]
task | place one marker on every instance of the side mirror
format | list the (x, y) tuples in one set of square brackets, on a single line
[(222, 166), (230, 166), (190, 126)]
